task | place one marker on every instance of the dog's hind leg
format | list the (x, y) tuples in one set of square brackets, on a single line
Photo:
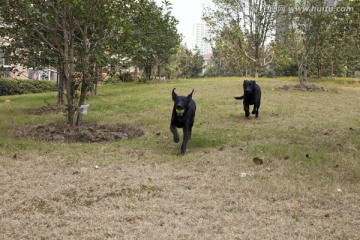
[(175, 133)]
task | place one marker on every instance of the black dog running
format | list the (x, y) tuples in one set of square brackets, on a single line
[(183, 116), (252, 96)]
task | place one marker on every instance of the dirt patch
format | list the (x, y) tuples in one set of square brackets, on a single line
[(304, 87), (89, 132), (48, 109)]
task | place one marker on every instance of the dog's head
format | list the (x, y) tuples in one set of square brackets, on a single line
[(249, 86), (181, 103)]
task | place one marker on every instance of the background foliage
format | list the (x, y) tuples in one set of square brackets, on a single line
[(305, 39), (18, 86)]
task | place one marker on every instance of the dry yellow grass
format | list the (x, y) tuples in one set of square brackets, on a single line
[(308, 186)]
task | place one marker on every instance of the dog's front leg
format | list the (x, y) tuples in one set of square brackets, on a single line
[(175, 133), (246, 109), (257, 109), (187, 133), (254, 110)]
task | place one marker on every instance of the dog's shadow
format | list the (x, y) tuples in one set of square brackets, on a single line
[(197, 142), (241, 117)]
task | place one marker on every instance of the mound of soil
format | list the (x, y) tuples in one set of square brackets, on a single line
[(88, 132), (304, 87), (48, 109)]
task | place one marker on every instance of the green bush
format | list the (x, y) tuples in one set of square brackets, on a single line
[(126, 77), (116, 78), (268, 72), (113, 79), (20, 86)]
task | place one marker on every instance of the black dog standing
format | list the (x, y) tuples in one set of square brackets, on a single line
[(252, 96), (183, 116)]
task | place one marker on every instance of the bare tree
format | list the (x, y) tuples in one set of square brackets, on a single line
[(248, 27), (313, 27)]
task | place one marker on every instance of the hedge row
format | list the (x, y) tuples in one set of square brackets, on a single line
[(20, 86)]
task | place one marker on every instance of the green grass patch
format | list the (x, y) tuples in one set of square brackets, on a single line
[(292, 124)]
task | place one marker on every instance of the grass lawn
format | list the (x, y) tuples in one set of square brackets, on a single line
[(308, 186)]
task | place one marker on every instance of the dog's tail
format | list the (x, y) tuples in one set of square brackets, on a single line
[(239, 98)]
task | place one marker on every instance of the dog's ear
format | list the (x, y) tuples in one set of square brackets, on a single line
[(189, 97), (253, 82), (174, 95)]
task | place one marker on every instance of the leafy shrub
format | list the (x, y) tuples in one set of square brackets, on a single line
[(116, 78), (126, 77), (113, 79), (20, 86), (287, 70), (143, 80), (268, 72)]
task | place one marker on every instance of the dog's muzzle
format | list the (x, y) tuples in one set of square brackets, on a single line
[(179, 112), (247, 91)]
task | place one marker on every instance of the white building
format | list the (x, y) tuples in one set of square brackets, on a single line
[(201, 32)]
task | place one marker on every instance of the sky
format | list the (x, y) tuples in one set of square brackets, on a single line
[(188, 12)]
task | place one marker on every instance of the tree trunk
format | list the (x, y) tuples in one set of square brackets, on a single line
[(97, 77), (68, 70), (256, 70), (60, 85), (83, 91), (159, 70), (319, 71), (332, 69), (136, 73), (148, 72), (69, 94), (85, 76), (93, 80), (304, 69), (305, 75)]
